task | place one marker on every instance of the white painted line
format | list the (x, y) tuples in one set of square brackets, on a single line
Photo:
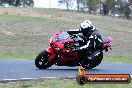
[(10, 79), (49, 77), (68, 77), (27, 78)]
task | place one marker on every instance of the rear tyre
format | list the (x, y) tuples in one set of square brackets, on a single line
[(41, 60), (92, 63)]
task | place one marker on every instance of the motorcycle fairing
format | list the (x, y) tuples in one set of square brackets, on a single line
[(52, 54)]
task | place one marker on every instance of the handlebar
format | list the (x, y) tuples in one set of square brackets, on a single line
[(67, 45)]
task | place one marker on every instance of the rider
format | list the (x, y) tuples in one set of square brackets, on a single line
[(92, 37)]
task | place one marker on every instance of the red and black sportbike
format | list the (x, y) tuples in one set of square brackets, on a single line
[(60, 52)]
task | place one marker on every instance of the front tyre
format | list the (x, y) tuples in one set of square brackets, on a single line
[(41, 60)]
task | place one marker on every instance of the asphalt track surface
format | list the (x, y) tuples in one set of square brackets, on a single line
[(25, 69)]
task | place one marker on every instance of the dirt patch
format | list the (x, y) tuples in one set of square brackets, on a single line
[(9, 33)]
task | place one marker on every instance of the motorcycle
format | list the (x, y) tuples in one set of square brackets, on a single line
[(60, 52)]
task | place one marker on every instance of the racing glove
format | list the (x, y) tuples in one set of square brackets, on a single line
[(75, 49)]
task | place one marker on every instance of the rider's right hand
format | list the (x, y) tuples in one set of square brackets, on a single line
[(75, 49)]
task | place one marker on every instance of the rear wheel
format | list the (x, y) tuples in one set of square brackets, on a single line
[(92, 63), (41, 60)]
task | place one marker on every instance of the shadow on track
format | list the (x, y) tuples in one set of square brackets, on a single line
[(72, 69)]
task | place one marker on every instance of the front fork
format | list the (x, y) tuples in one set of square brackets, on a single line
[(52, 55)]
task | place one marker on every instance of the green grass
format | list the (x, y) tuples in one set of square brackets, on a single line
[(60, 83), (42, 20), (29, 56), (123, 60), (32, 32)]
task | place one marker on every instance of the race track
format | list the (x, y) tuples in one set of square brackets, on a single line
[(25, 69)]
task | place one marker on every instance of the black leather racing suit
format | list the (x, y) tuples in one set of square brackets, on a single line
[(93, 40)]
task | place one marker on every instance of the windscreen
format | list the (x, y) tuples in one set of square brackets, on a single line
[(63, 36), (105, 39)]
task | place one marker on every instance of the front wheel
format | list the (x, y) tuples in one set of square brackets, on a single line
[(41, 60)]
